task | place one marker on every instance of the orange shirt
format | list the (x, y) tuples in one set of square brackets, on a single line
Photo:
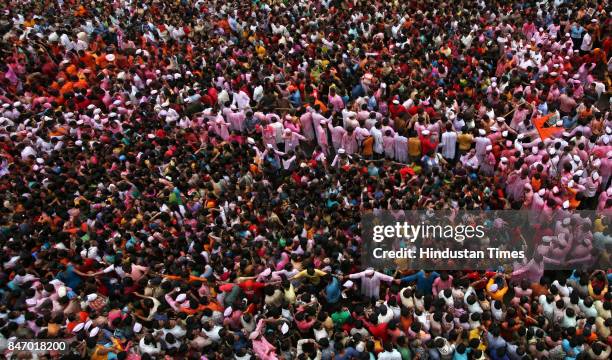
[(321, 105), (88, 59), (192, 278)]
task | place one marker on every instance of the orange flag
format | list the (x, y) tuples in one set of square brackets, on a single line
[(546, 131)]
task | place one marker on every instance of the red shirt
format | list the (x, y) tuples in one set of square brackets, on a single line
[(427, 145), (250, 287), (379, 331)]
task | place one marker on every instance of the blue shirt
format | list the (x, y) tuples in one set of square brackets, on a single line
[(332, 291), (69, 277), (464, 356), (576, 31), (349, 352), (423, 283), (295, 99), (567, 348)]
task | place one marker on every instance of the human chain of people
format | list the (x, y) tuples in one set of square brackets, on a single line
[(187, 179)]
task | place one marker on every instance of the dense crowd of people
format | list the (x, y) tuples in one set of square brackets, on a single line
[(185, 179)]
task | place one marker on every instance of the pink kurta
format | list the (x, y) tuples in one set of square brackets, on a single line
[(262, 348), (307, 126)]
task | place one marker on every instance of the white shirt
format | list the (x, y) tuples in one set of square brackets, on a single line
[(587, 43), (390, 355), (27, 151), (448, 144), (241, 100)]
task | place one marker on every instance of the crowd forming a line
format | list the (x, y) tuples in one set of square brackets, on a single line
[(185, 179)]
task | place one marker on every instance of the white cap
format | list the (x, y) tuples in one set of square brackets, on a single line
[(341, 151), (505, 133), (78, 328), (608, 130), (566, 204), (504, 159), (551, 151), (250, 140), (500, 119), (137, 327), (94, 331), (570, 183), (110, 57), (580, 172), (181, 297), (396, 102), (489, 148), (534, 150), (576, 158), (425, 132), (482, 132), (555, 189), (92, 297), (493, 287), (595, 175), (541, 192), (269, 146)]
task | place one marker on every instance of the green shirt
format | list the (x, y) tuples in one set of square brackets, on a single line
[(340, 317), (405, 352)]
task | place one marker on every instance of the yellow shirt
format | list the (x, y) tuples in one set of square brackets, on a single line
[(261, 51), (497, 295), (314, 278), (465, 141), (414, 147)]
